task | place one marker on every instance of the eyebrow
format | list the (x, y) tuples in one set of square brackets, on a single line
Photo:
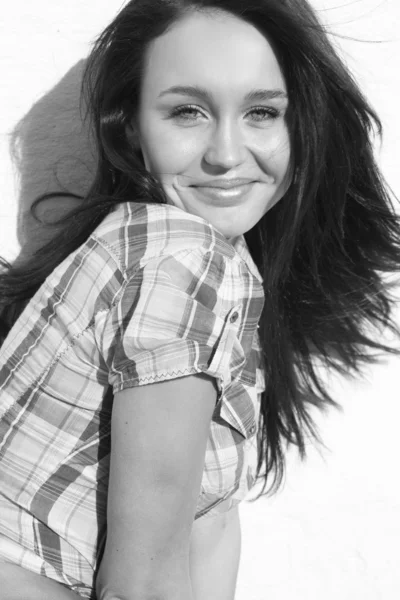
[(194, 90)]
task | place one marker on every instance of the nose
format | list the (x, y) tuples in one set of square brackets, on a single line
[(226, 147)]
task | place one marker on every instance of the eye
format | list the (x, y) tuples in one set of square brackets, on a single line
[(188, 113), (263, 113)]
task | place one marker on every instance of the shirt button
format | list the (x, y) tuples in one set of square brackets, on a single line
[(234, 317), (252, 429)]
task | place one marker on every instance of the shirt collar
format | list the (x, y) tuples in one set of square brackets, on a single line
[(242, 249)]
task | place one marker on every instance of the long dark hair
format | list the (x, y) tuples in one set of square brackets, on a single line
[(323, 250)]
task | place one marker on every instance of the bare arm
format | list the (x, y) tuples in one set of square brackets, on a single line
[(158, 441)]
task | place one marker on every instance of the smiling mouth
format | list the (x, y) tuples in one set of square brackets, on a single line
[(234, 194)]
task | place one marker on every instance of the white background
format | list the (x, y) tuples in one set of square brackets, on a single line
[(333, 532)]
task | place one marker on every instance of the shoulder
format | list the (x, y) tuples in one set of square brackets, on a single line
[(137, 233)]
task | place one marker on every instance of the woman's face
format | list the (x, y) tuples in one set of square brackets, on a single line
[(211, 122)]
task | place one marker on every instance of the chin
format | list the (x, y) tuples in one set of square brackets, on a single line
[(227, 221), (231, 233), (235, 229)]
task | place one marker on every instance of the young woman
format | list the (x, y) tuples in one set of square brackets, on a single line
[(158, 353)]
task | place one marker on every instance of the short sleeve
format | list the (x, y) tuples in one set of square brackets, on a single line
[(176, 316)]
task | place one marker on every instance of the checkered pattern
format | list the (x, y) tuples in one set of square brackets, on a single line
[(154, 293)]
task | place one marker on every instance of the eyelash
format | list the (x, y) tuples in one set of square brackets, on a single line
[(180, 111)]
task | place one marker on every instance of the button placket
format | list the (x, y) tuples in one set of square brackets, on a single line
[(222, 355), (234, 317)]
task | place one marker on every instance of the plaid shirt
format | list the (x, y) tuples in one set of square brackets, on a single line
[(154, 293)]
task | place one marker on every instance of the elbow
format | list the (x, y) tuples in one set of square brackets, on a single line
[(118, 586)]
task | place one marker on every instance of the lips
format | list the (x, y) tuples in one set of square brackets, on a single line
[(223, 195), (224, 184)]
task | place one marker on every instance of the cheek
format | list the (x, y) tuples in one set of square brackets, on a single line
[(274, 152), (168, 152)]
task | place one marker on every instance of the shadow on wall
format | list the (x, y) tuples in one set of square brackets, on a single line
[(52, 152)]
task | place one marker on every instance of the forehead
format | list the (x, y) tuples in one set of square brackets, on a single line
[(215, 50)]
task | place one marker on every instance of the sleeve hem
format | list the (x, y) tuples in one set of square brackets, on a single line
[(166, 376)]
